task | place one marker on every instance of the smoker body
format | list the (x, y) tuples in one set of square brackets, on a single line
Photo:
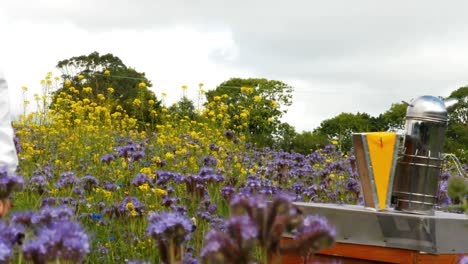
[(415, 188)]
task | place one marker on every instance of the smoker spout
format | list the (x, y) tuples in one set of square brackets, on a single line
[(449, 103)]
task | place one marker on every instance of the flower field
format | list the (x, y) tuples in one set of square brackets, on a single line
[(101, 187)]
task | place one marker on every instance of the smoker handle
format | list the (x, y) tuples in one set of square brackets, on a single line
[(457, 163)]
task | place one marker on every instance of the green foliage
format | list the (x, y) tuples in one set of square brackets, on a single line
[(394, 118), (458, 190), (255, 107), (184, 108), (456, 141), (307, 141), (108, 71), (342, 126), (286, 136)]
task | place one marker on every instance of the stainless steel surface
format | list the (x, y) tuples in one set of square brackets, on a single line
[(418, 168), (441, 233), (428, 108)]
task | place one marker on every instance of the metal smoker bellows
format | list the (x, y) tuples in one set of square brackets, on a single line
[(418, 168)]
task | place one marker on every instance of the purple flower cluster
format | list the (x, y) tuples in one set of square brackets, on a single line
[(169, 226), (197, 184), (10, 235), (66, 179), (60, 239), (234, 246), (49, 215), (169, 230), (132, 151), (9, 183), (256, 220), (88, 182), (311, 236)]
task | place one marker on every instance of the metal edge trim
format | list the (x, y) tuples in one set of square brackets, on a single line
[(371, 171), (393, 170)]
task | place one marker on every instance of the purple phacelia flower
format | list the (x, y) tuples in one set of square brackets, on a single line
[(63, 240), (141, 179), (463, 259), (48, 215), (229, 134), (242, 228), (227, 192), (49, 201), (107, 158), (66, 179), (88, 182), (23, 219), (137, 155), (209, 161), (5, 252), (130, 204), (11, 234), (9, 183), (37, 183), (313, 235), (353, 186), (169, 227)]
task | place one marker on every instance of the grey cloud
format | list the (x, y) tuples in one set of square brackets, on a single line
[(361, 55)]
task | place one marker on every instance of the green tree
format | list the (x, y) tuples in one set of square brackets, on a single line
[(101, 72), (184, 108), (342, 126), (255, 106), (456, 140), (285, 137), (308, 141), (394, 118)]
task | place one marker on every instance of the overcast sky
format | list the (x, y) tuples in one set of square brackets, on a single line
[(340, 56)]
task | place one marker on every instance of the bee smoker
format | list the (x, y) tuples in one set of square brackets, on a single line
[(415, 187)]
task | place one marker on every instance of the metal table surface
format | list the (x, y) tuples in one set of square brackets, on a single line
[(441, 233)]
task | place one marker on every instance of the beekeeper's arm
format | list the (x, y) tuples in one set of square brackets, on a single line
[(7, 147)]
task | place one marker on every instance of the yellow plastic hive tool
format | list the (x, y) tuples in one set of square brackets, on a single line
[(381, 151)]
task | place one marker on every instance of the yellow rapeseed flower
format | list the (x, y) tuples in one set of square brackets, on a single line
[(67, 83), (136, 102), (142, 85), (169, 156), (160, 192), (24, 88), (87, 89), (106, 72), (110, 90), (257, 98), (129, 206), (217, 98), (80, 77), (144, 188)]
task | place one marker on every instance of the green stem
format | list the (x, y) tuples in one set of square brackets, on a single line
[(171, 252)]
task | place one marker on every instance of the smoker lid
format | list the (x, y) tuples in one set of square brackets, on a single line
[(427, 108)]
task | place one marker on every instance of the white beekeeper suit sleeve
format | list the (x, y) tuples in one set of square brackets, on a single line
[(7, 147)]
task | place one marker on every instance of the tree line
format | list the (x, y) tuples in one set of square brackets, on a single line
[(253, 107)]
